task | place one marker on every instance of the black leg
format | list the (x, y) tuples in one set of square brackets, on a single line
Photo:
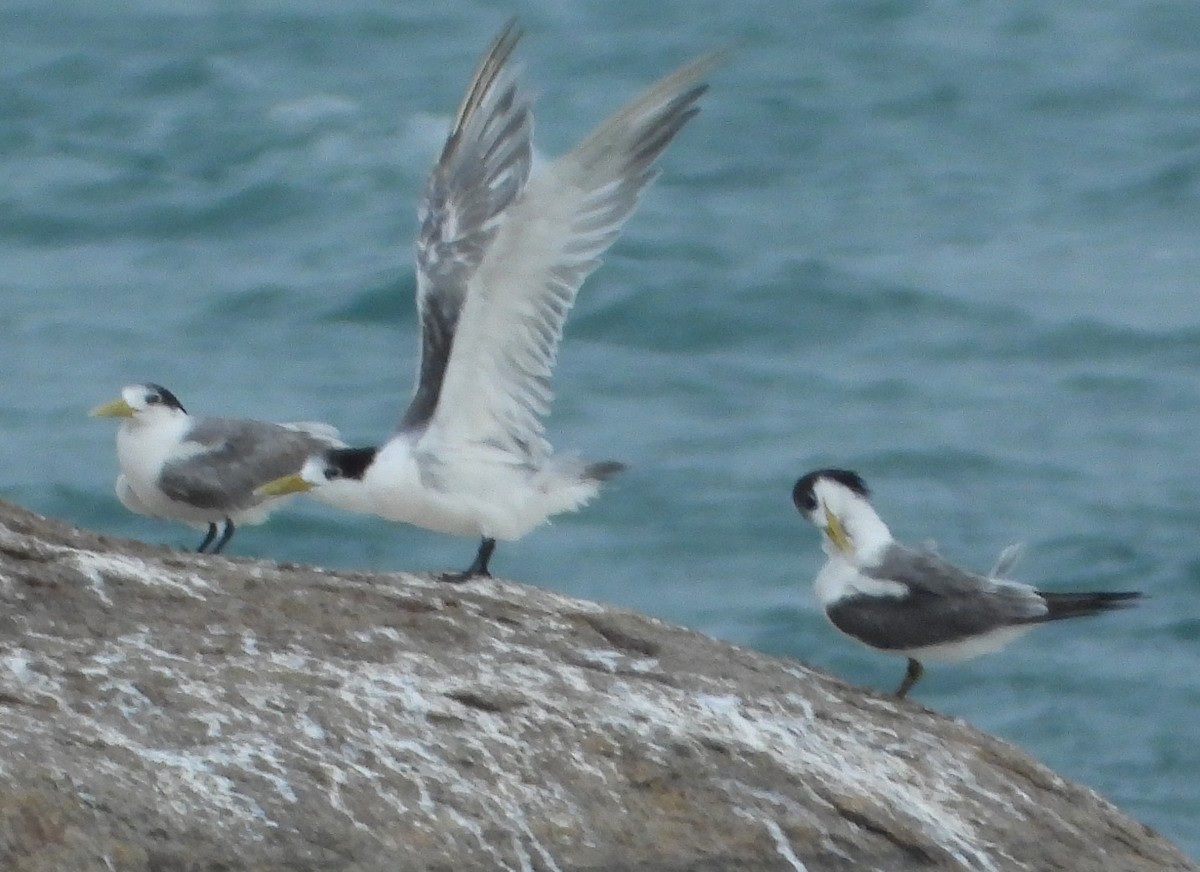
[(478, 568), (212, 534), (225, 537), (911, 676)]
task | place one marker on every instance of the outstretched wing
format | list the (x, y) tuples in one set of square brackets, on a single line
[(497, 383), (482, 168)]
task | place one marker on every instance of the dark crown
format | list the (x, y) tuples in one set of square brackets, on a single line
[(806, 500), (168, 399)]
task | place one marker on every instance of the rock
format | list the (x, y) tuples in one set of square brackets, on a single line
[(170, 711)]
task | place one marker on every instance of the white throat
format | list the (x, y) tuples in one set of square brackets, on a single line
[(157, 432), (868, 535)]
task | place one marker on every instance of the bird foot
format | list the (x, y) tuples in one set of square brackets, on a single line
[(911, 676), (461, 577), (478, 567)]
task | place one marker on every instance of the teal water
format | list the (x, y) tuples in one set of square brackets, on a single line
[(954, 246)]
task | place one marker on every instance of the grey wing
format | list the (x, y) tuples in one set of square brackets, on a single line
[(318, 429), (497, 383), (944, 603), (232, 458), (483, 166)]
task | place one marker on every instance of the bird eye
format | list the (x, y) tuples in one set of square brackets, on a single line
[(152, 399), (804, 497), (331, 472)]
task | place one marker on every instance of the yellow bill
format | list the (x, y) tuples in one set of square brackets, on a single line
[(837, 533), (288, 484), (115, 409)]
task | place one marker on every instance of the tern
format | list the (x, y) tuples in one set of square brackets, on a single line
[(501, 254), (911, 602), (203, 471)]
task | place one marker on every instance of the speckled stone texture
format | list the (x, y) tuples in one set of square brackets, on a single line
[(169, 711)]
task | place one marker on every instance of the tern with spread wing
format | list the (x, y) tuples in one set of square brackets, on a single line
[(203, 471), (500, 258), (911, 602)]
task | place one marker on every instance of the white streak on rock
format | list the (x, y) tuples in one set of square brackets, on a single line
[(783, 846), (96, 566), (809, 748)]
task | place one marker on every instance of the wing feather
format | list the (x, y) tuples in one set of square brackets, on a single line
[(945, 600), (483, 167), (497, 383), (233, 457)]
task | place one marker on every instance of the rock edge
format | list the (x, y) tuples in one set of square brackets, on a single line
[(169, 711)]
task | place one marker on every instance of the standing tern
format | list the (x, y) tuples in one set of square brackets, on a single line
[(500, 257), (203, 470), (911, 602)]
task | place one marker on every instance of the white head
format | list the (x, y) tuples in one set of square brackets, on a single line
[(837, 502), (142, 404), (334, 476)]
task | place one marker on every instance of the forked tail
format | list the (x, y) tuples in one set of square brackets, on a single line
[(603, 471), (1081, 605), (568, 484)]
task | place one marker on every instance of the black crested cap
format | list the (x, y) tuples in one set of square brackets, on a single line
[(806, 500), (351, 462), (167, 398)]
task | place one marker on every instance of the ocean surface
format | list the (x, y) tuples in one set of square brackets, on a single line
[(954, 246)]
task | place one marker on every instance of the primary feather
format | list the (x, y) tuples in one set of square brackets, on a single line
[(548, 242)]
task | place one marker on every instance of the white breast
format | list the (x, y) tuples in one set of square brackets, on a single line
[(142, 450), (839, 579)]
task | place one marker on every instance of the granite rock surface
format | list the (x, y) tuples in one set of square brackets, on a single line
[(170, 711)]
